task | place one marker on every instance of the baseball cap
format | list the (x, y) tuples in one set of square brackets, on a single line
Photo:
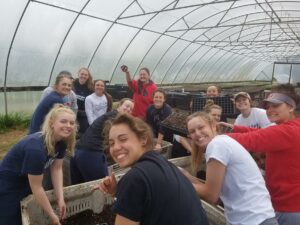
[(244, 94), (278, 98)]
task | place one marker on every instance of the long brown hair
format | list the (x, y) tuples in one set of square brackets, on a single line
[(108, 96), (198, 153), (89, 83)]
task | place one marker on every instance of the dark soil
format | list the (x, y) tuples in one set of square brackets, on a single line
[(177, 122), (87, 217)]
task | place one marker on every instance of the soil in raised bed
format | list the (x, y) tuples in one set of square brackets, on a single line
[(87, 217), (177, 122)]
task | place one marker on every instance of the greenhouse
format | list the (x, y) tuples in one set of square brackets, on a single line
[(201, 82), (181, 42)]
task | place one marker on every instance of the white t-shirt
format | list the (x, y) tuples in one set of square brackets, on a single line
[(95, 106), (258, 118), (244, 194)]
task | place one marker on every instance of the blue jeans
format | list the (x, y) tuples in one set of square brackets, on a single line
[(288, 218)]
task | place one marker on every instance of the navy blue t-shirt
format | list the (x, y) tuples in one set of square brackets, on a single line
[(42, 109), (29, 156), (92, 139), (155, 192)]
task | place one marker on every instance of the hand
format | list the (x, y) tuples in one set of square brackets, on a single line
[(62, 209), (157, 147), (124, 68), (107, 185), (226, 124), (54, 219)]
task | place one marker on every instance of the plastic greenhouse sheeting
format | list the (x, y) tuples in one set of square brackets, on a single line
[(180, 41)]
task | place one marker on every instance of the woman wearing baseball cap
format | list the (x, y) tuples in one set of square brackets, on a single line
[(281, 144)]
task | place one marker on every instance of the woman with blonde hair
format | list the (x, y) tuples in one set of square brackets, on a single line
[(83, 87), (231, 174), (21, 171)]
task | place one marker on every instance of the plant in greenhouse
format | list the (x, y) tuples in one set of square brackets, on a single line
[(13, 121)]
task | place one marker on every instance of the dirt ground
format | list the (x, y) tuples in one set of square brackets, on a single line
[(9, 138)]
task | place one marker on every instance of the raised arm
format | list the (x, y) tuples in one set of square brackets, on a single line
[(124, 68)]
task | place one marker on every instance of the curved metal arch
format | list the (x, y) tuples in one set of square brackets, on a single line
[(184, 50), (232, 18), (228, 30), (175, 42), (225, 61), (235, 67), (245, 68), (196, 64), (216, 69), (8, 55), (174, 60), (107, 31), (204, 69), (63, 42), (227, 20), (232, 63), (185, 61), (231, 35), (133, 40), (256, 69), (194, 39), (163, 35), (204, 64), (251, 68)]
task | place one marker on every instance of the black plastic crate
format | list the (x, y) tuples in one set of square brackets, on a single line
[(179, 100), (176, 122), (119, 91), (224, 101)]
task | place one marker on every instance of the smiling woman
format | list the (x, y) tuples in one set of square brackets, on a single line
[(62, 87), (151, 192), (97, 103), (155, 114), (281, 145), (21, 171), (231, 174)]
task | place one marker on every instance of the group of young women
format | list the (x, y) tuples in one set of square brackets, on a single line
[(155, 191)]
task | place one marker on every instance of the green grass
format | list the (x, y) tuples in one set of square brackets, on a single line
[(13, 121)]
